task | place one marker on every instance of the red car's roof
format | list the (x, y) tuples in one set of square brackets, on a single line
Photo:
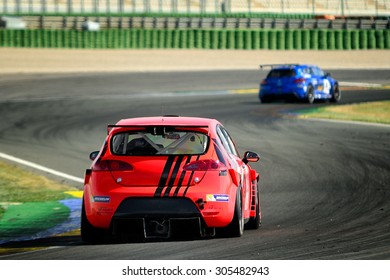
[(168, 120)]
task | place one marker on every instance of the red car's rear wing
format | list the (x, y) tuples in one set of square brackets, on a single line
[(159, 128)]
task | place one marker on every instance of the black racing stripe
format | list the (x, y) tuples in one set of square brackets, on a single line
[(183, 173), (164, 175), (173, 176), (190, 179)]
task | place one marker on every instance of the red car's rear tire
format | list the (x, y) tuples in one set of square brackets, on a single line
[(236, 226), (89, 233)]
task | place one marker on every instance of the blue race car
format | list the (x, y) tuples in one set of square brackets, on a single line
[(298, 81)]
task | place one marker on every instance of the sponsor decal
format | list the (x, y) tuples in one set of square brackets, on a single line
[(217, 197), (105, 199)]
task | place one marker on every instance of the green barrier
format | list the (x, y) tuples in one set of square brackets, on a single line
[(176, 39), (57, 39), (214, 39), (347, 39), (191, 39), (322, 39), (280, 39), (141, 39), (52, 38), (68, 38), (125, 39), (297, 39), (107, 38), (132, 39), (160, 39), (331, 40), (2, 39), (28, 37), (386, 35), (247, 39), (197, 38), (231, 41), (17, 39), (306, 39), (44, 39), (314, 44), (380, 42), (183, 39), (355, 39), (147, 34), (339, 40), (118, 38), (239, 39), (222, 40), (255, 39), (289, 39), (77, 39), (8, 39), (264, 39), (363, 39), (205, 39), (371, 39), (272, 40)]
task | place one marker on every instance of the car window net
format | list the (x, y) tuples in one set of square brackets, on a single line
[(170, 143)]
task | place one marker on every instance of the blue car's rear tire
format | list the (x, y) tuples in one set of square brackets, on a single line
[(310, 95), (336, 94), (265, 99)]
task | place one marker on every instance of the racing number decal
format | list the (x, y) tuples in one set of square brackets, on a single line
[(327, 86)]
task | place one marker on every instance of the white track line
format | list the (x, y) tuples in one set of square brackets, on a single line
[(42, 168)]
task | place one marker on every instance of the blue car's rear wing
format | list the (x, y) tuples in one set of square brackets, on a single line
[(289, 65)]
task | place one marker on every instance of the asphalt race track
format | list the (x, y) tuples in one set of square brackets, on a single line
[(325, 185)]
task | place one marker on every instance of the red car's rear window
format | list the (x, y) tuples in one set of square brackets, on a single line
[(172, 142)]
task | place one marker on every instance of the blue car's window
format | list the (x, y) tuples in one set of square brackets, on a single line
[(282, 73), (170, 143), (318, 72)]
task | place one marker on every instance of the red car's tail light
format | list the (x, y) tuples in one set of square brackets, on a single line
[(112, 165), (299, 81), (204, 165)]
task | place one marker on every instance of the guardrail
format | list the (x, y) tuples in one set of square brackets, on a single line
[(69, 22), (268, 39)]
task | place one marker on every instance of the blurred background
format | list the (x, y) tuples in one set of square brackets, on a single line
[(199, 24)]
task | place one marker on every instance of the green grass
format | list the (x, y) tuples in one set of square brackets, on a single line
[(20, 186), (373, 112)]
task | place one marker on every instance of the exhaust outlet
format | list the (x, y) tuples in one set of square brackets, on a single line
[(157, 228)]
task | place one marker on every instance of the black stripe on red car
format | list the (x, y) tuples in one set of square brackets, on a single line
[(174, 174), (164, 175), (183, 173)]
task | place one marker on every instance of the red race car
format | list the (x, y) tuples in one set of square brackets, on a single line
[(156, 177)]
